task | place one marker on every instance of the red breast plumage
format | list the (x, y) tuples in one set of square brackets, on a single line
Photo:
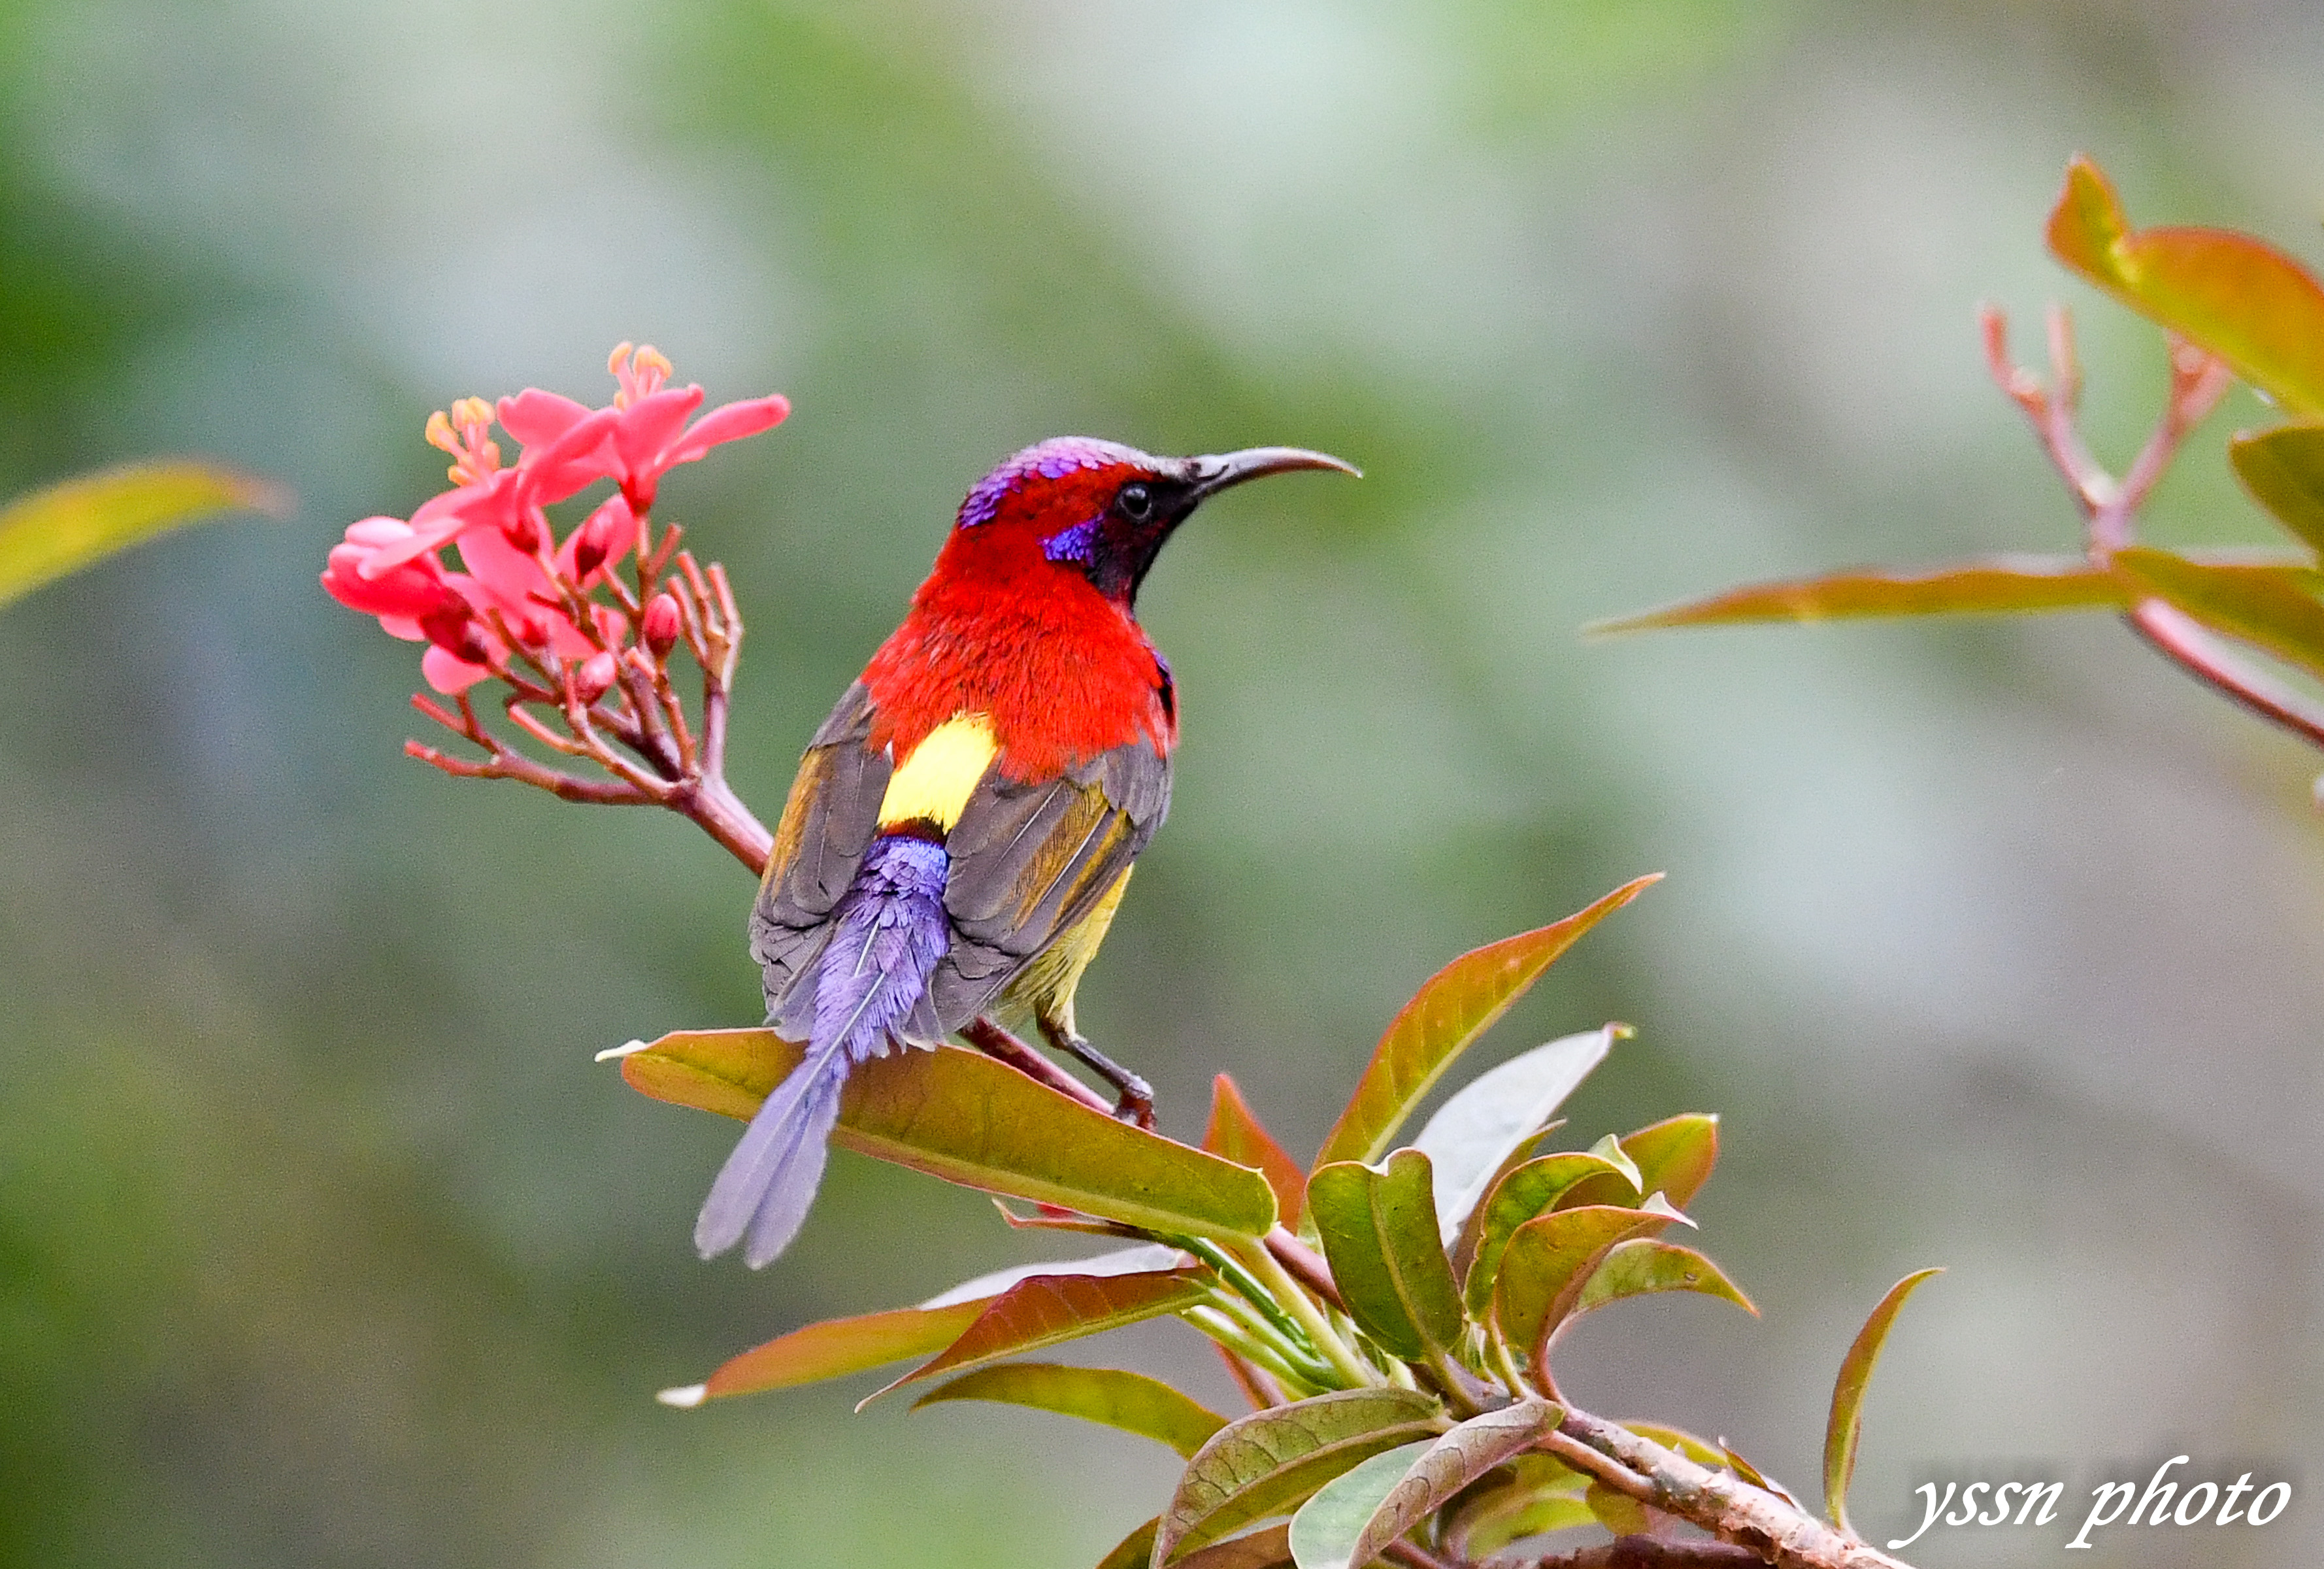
[(964, 823)]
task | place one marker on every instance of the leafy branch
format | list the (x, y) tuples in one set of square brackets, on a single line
[(2232, 306), (1404, 1401)]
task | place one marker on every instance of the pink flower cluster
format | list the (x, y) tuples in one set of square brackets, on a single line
[(524, 590)]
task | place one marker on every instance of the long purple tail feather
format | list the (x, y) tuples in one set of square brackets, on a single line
[(890, 931)]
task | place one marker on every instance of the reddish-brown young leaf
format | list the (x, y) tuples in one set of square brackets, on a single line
[(833, 1349), (1236, 1134), (1051, 1309), (1546, 1264), (1455, 1006), (1999, 584), (2246, 301)]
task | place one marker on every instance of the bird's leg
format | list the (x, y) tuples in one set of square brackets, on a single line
[(1137, 1102)]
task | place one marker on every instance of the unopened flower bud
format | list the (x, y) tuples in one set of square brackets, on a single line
[(522, 530), (594, 678), (663, 621)]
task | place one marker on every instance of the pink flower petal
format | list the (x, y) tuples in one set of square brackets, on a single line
[(534, 417), (448, 673), (507, 572), (550, 474), (731, 422), (647, 425)]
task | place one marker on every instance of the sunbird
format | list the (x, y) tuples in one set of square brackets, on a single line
[(963, 825)]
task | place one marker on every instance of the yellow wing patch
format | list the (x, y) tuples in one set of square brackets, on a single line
[(934, 783)]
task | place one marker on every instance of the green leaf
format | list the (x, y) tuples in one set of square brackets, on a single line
[(963, 1117), (1236, 1134), (833, 1349), (1996, 584), (1643, 1265), (1546, 1264), (1379, 1232), (2274, 607), (2283, 468), (1458, 1003), (1533, 1189), (1680, 1439), (1051, 1309), (1272, 1460), (1134, 1551), (1130, 1401), (1488, 1119), (2247, 302), (1327, 1524), (51, 532), (1441, 1471), (1674, 1157), (1535, 1494), (1618, 1513), (1754, 1475), (1846, 1420)]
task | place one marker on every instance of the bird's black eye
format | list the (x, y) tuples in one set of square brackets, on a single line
[(1136, 501)]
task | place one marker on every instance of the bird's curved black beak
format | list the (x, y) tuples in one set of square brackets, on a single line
[(1206, 477)]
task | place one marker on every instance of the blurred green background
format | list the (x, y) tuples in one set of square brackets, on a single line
[(322, 1243)]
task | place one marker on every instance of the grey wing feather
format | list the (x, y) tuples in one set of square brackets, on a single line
[(827, 823), (1029, 862)]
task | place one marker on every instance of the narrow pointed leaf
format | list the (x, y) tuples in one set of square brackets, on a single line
[(2274, 607), (2283, 468), (1130, 1401), (1379, 1232), (1143, 1258), (61, 528), (1700, 1451), (1846, 1420), (1474, 1132), (1532, 1190), (1531, 1493), (1271, 1461), (837, 1347), (1754, 1475), (1547, 1263), (1236, 1134), (1643, 1265), (1323, 1532), (1459, 1004), (1454, 1461), (1995, 585), (1051, 1309), (2254, 306), (963, 1117)]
